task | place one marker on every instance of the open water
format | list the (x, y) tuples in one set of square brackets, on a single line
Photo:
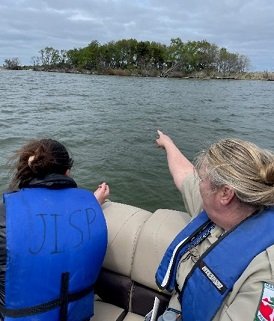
[(109, 124)]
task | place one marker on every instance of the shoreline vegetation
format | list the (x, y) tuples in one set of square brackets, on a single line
[(129, 57), (256, 75)]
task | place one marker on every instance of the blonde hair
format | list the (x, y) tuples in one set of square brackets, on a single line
[(248, 169)]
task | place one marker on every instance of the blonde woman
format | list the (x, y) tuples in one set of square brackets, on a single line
[(220, 267)]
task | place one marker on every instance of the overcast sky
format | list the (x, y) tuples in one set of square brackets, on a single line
[(241, 26)]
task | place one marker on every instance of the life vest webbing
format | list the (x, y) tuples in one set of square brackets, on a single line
[(64, 296), (62, 302)]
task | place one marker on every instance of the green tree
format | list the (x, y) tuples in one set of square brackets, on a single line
[(175, 52), (158, 55), (73, 57), (126, 53), (108, 55), (206, 55), (85, 58), (143, 54), (92, 56)]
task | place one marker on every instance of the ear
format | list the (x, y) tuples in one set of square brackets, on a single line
[(67, 173), (226, 194)]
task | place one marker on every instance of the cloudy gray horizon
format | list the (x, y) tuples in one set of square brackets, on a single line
[(241, 26)]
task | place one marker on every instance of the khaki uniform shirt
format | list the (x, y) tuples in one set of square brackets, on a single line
[(242, 303)]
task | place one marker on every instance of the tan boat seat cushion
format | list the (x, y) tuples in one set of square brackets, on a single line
[(157, 233), (124, 224), (107, 312), (137, 241)]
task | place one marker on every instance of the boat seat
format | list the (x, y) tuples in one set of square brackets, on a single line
[(137, 240)]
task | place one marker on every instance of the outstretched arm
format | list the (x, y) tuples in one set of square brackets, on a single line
[(179, 165)]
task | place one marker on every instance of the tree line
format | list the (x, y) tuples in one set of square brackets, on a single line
[(129, 56)]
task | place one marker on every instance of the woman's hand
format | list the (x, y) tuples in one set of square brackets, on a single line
[(163, 140), (102, 192)]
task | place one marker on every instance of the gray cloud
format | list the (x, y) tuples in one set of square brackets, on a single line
[(243, 26)]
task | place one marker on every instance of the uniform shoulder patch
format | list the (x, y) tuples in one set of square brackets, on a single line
[(265, 310)]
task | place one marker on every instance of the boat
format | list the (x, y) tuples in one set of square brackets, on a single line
[(137, 240)]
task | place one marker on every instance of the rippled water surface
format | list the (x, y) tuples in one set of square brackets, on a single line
[(109, 124)]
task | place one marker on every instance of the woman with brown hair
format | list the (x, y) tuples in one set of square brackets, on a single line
[(53, 238)]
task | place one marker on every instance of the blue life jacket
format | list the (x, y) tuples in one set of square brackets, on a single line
[(214, 274), (55, 244)]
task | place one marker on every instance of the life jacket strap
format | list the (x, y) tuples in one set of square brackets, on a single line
[(64, 296), (62, 302)]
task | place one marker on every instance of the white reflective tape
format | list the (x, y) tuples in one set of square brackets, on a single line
[(167, 275)]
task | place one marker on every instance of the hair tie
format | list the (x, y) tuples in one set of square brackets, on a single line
[(30, 160)]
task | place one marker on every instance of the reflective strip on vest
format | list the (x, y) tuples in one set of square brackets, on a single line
[(166, 272)]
